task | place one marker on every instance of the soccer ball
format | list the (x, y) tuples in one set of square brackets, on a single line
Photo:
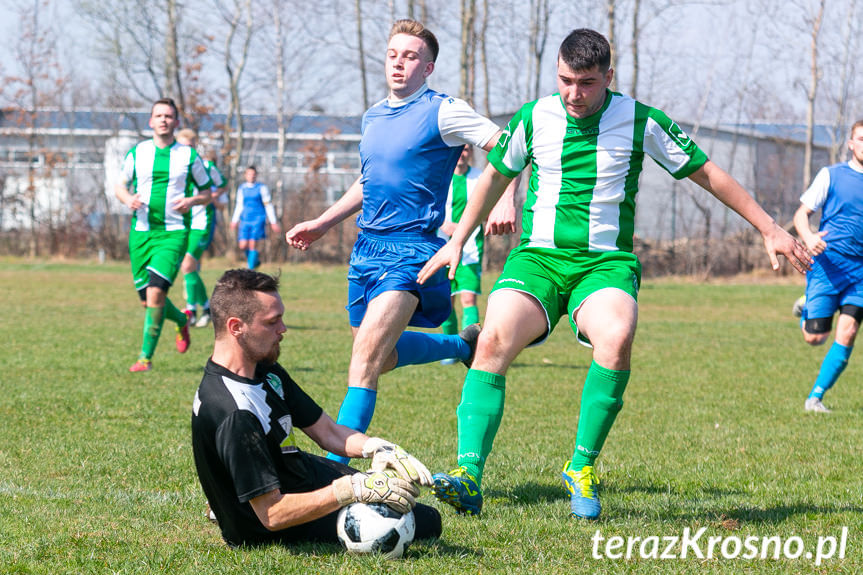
[(375, 528)]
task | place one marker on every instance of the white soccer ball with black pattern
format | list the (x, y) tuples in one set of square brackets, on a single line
[(375, 528)]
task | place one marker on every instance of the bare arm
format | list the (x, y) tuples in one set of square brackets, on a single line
[(488, 191), (303, 234), (503, 217), (776, 240), (814, 241), (336, 438), (127, 198), (277, 510)]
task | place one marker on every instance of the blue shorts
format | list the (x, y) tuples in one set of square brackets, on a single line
[(252, 230), (834, 281), (391, 262)]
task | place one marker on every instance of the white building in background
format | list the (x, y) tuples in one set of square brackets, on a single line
[(74, 160)]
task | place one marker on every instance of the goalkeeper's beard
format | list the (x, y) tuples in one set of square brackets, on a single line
[(256, 356)]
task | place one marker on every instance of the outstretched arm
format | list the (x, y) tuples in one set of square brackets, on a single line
[(303, 234), (776, 240), (488, 191)]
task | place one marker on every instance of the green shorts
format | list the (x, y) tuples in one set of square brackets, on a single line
[(198, 242), (468, 278), (159, 252), (560, 280)]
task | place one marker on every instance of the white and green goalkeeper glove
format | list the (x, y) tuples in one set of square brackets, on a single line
[(376, 487), (386, 455)]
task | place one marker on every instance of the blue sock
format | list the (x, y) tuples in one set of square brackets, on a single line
[(252, 259), (831, 368), (356, 412), (416, 347)]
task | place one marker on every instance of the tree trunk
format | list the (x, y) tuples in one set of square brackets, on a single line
[(361, 53), (611, 39), (811, 95)]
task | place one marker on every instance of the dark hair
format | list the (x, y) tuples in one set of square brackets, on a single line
[(252, 167), (414, 28), (234, 296), (583, 49), (166, 102)]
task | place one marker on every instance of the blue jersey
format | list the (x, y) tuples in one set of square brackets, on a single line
[(409, 150), (838, 191), (254, 204)]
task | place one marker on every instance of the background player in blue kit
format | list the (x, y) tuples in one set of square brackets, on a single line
[(836, 280), (410, 144), (254, 208)]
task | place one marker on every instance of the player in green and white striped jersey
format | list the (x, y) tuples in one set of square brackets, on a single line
[(201, 228), (587, 145), (467, 283), (158, 177)]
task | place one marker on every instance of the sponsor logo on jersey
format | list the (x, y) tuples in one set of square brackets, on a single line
[(276, 384), (289, 443), (576, 131), (678, 135), (504, 137)]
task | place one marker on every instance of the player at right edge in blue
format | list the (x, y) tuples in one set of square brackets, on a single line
[(836, 280)]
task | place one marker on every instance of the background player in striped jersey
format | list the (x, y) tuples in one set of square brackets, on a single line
[(158, 177), (410, 144), (836, 281), (575, 256), (201, 229), (253, 209), (467, 283)]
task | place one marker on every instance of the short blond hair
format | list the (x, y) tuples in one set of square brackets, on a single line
[(857, 124), (187, 134), (414, 28)]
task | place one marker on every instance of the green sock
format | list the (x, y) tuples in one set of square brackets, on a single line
[(194, 287), (479, 415), (601, 399), (153, 321), (450, 326), (174, 314), (470, 316), (201, 294)]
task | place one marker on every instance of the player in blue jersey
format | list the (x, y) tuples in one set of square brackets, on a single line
[(253, 209), (410, 144), (836, 280)]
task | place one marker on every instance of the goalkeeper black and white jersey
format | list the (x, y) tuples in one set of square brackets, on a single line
[(244, 444)]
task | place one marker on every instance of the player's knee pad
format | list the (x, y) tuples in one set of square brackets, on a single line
[(819, 325), (854, 311)]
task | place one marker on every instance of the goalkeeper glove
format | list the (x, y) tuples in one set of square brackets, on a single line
[(389, 455), (376, 487)]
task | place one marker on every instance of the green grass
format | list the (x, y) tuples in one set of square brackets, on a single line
[(96, 472)]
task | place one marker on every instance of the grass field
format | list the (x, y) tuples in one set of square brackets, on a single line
[(96, 472)]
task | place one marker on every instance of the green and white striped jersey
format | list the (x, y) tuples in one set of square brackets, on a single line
[(460, 189), (203, 217), (585, 173), (160, 176)]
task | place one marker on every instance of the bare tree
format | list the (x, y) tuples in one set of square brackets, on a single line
[(483, 57), (540, 13), (849, 44), (468, 48), (610, 5), (361, 53), (814, 74)]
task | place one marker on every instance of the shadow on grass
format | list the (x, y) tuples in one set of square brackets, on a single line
[(531, 493), (780, 513)]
